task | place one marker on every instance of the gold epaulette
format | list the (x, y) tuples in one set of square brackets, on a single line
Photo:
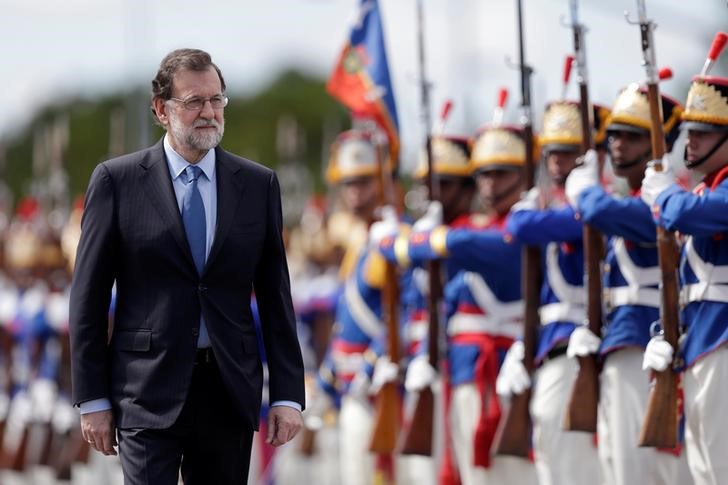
[(401, 246), (375, 269), (438, 240)]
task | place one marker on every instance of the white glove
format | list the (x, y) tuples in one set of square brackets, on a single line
[(655, 182), (313, 415), (583, 342), (585, 175), (388, 226), (43, 397), (658, 354), (529, 201), (513, 377), (420, 374), (385, 371), (65, 416), (431, 219)]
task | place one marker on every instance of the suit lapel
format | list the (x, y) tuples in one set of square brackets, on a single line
[(230, 188), (158, 185)]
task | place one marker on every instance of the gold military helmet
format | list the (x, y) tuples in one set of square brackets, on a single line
[(450, 158), (353, 155), (562, 126), (22, 247), (498, 147), (707, 105), (631, 112)]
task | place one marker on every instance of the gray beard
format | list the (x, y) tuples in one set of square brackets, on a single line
[(194, 139)]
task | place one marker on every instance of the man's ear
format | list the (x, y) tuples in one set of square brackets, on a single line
[(160, 110)]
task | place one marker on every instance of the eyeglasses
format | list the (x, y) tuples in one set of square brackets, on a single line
[(195, 103)]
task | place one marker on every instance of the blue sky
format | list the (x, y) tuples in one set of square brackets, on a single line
[(55, 49)]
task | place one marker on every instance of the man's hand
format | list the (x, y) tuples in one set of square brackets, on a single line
[(585, 175), (583, 342), (656, 182), (529, 201), (658, 354), (420, 374), (99, 431), (284, 422), (513, 378), (431, 219)]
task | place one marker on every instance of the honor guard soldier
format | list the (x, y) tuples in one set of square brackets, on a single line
[(561, 457), (631, 294), (345, 373), (701, 217), (484, 311), (456, 189)]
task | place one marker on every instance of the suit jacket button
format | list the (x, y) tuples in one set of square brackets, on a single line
[(195, 332)]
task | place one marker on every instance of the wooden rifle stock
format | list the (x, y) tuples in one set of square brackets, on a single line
[(388, 404), (515, 436), (14, 458), (417, 439), (307, 444), (581, 412), (660, 425)]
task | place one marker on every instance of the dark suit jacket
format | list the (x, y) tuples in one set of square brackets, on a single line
[(132, 233)]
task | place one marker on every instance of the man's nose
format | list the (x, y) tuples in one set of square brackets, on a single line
[(207, 112)]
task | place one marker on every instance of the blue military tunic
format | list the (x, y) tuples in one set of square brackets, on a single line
[(702, 219), (563, 303), (631, 272)]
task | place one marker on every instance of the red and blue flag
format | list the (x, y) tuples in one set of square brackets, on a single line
[(361, 78)]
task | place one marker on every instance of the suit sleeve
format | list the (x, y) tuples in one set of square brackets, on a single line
[(278, 323), (93, 279)]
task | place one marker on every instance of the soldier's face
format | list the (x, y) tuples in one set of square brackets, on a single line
[(700, 143), (629, 149), (359, 196), (456, 197), (498, 187), (559, 164)]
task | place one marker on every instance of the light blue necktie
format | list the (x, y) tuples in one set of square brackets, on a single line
[(193, 218)]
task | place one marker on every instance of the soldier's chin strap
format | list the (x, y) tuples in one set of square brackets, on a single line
[(631, 163), (702, 160), (508, 191)]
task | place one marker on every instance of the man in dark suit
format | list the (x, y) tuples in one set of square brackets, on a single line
[(186, 231)]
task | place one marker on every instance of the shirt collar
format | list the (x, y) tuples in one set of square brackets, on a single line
[(177, 164)]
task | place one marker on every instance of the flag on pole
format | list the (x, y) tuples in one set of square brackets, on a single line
[(361, 78)]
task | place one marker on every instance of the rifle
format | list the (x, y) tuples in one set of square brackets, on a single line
[(659, 427), (388, 400), (417, 439), (515, 437), (581, 414)]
